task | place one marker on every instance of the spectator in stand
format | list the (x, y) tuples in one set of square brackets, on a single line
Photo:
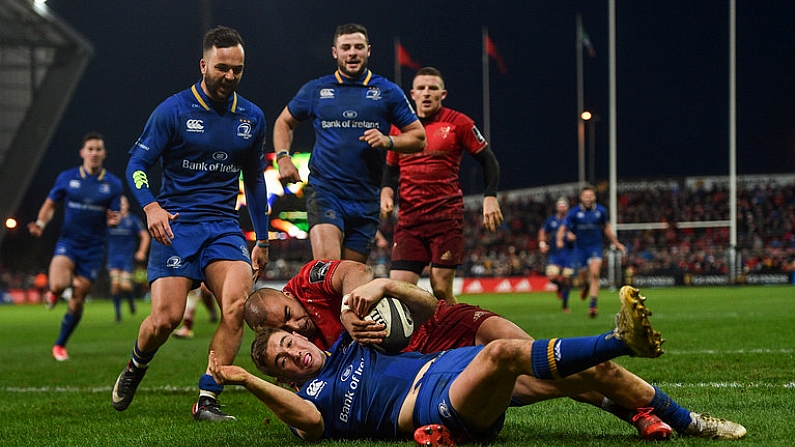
[(431, 204)]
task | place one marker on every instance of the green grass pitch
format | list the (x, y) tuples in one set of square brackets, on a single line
[(729, 352)]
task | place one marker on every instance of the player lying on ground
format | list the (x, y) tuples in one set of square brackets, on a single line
[(291, 356)]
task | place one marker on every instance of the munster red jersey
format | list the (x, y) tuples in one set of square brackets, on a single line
[(429, 188), (312, 286)]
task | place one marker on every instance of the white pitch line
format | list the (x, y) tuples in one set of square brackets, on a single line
[(729, 352), (172, 389)]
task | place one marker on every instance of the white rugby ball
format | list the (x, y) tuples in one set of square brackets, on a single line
[(392, 313)]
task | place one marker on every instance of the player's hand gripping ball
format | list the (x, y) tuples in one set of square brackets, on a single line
[(392, 313)]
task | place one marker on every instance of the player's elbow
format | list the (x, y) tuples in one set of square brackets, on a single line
[(311, 428)]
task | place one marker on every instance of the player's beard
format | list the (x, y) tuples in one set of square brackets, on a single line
[(219, 89), (343, 68)]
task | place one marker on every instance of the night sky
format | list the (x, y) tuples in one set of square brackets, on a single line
[(672, 77)]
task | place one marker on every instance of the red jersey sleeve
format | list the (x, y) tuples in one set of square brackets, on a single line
[(313, 287)]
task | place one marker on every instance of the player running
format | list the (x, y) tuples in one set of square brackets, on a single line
[(352, 111), (588, 221), (204, 137), (92, 200), (430, 226), (558, 270)]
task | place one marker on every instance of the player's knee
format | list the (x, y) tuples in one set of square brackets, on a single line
[(505, 353)]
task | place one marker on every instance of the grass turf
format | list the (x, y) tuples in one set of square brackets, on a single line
[(729, 352)]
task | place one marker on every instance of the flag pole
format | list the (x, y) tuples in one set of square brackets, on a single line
[(398, 74), (486, 97), (580, 105)]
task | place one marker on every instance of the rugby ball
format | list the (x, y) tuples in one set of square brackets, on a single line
[(392, 313)]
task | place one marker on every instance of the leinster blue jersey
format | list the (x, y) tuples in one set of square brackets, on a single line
[(359, 392), (342, 110), (123, 238), (587, 224), (551, 227), (86, 200), (203, 147)]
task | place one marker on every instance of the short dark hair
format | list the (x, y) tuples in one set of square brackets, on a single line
[(221, 37), (93, 136), (429, 71), (351, 28)]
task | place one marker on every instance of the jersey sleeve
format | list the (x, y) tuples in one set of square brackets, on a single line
[(402, 112), (58, 191), (157, 132), (254, 179), (471, 138), (300, 106)]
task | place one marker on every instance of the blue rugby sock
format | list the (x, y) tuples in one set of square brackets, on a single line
[(209, 387), (669, 410), (141, 359), (562, 357), (68, 325)]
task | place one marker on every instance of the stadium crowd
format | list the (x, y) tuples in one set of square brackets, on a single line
[(765, 236)]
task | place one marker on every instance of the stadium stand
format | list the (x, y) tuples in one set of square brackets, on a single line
[(43, 61)]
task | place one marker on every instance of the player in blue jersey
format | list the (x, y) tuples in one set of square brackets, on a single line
[(203, 137), (91, 197), (353, 391), (588, 221), (558, 269), (128, 242), (352, 111)]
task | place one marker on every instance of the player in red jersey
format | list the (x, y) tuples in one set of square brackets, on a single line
[(310, 305), (431, 204)]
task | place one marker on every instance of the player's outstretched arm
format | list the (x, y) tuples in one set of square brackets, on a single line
[(285, 404)]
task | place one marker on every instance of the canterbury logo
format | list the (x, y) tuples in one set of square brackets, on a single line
[(195, 125), (140, 179)]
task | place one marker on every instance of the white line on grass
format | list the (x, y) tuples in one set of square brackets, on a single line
[(173, 389)]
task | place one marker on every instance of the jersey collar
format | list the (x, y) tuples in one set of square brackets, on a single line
[(84, 174), (363, 79), (203, 99)]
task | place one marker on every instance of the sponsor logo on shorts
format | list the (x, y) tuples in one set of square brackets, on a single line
[(244, 251), (174, 262), (194, 126), (477, 315), (444, 411)]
